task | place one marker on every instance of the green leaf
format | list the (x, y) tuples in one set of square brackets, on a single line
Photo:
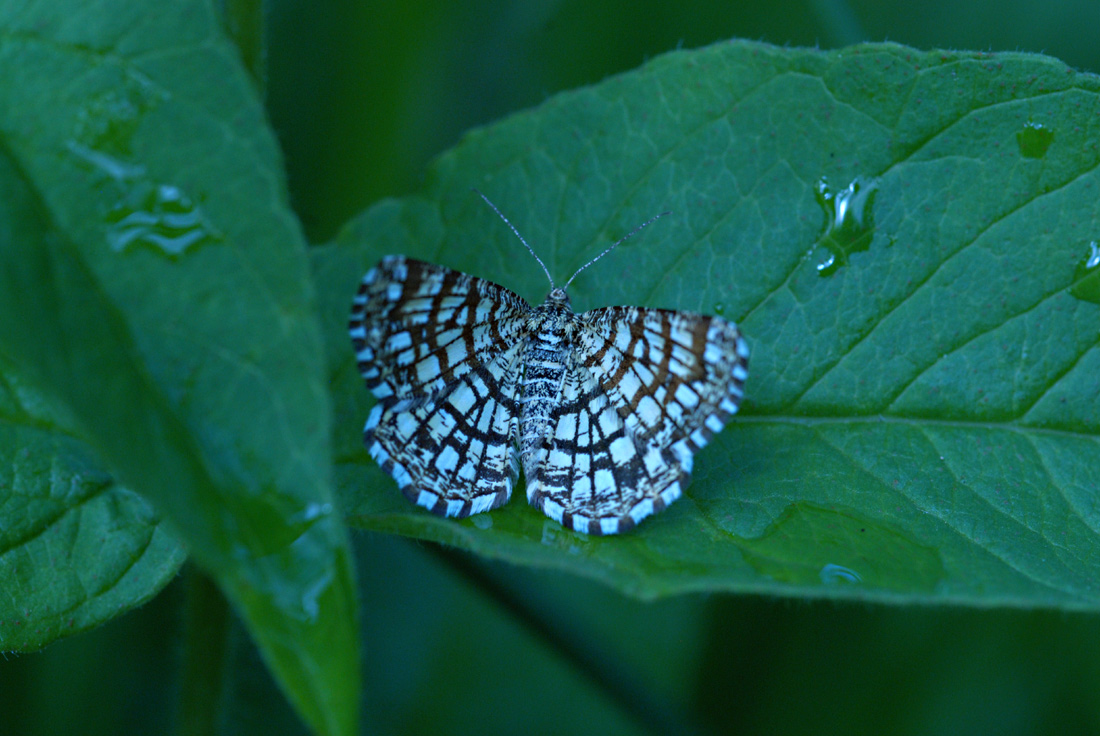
[(154, 284), (76, 548), (923, 409)]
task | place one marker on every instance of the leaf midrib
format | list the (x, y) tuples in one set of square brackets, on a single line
[(811, 421)]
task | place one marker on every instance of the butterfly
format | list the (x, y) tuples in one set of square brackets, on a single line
[(603, 410)]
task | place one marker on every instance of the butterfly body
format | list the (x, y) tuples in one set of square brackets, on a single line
[(545, 366)]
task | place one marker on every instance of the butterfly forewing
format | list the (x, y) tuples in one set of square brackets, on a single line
[(676, 377), (417, 327)]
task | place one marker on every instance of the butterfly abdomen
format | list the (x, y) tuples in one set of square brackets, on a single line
[(544, 368)]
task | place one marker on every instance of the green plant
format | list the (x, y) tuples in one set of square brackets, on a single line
[(922, 415)]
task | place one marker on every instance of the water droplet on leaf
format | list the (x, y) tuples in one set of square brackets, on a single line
[(156, 215), (849, 221), (1034, 139), (837, 574), (109, 120), (160, 217), (1086, 277), (112, 167), (812, 545)]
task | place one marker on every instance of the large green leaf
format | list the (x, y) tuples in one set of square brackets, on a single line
[(153, 283), (76, 549), (905, 239)]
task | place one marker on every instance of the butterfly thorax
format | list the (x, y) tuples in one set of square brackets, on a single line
[(545, 357)]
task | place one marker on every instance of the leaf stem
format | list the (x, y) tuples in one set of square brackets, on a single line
[(204, 650)]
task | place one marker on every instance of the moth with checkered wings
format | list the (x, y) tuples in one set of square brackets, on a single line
[(605, 410)]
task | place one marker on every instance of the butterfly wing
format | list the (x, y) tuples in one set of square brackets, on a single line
[(441, 352), (645, 390)]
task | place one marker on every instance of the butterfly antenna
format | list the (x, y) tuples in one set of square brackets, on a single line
[(529, 248), (609, 248)]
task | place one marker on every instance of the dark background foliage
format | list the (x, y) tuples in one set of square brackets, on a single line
[(362, 96)]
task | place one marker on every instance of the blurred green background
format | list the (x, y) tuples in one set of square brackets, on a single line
[(362, 96)]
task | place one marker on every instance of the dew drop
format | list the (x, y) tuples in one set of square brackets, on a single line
[(160, 217), (1034, 139), (311, 512), (838, 574), (812, 545), (557, 536), (146, 213), (109, 121), (114, 168), (849, 221), (719, 308), (482, 521), (1086, 277)]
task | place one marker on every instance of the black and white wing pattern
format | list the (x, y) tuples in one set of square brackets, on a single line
[(644, 390), (605, 409), (440, 350)]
